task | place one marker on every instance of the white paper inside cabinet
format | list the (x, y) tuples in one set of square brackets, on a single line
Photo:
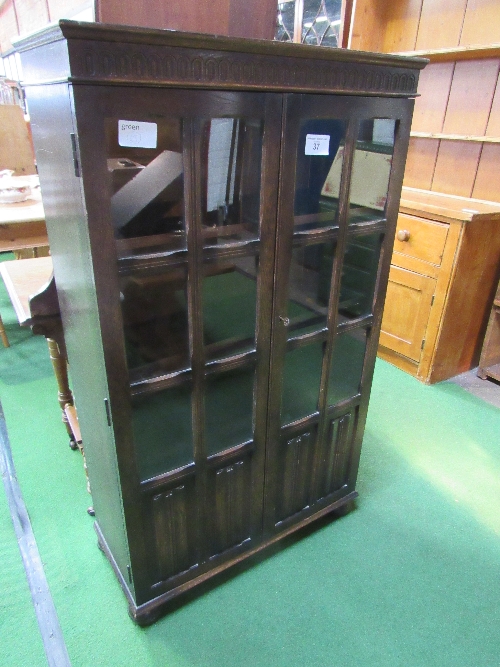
[(370, 178)]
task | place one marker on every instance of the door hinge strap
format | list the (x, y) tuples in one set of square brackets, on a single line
[(108, 413), (76, 164)]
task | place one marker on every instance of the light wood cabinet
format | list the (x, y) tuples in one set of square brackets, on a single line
[(444, 269)]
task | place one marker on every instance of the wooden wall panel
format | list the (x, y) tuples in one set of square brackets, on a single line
[(402, 25), (420, 163), (149, 13), (456, 167), (31, 15), (236, 18), (487, 185), (493, 127), (481, 23), (471, 97), (59, 9), (16, 148), (434, 87), (8, 26), (440, 23), (369, 25)]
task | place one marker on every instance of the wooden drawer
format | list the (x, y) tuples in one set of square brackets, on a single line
[(425, 241)]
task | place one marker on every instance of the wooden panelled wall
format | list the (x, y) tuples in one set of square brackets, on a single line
[(236, 18), (20, 17), (455, 144)]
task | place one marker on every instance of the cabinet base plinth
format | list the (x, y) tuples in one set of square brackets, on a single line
[(149, 612)]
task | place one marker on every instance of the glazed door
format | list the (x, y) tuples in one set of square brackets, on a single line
[(337, 192), (182, 210)]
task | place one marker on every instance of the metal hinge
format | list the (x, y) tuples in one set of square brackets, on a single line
[(76, 163), (108, 413), (129, 572), (423, 343), (432, 300)]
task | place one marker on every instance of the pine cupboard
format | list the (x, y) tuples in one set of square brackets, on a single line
[(444, 268), (221, 215)]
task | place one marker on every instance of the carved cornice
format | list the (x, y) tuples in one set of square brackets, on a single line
[(100, 62), (100, 53)]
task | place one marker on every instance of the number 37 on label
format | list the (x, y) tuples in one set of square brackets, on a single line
[(317, 144)]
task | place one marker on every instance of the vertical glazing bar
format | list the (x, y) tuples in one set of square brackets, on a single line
[(343, 217), (192, 137), (299, 15)]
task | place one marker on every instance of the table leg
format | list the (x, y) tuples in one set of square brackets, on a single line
[(65, 397), (64, 394)]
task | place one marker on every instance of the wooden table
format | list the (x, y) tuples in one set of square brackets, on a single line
[(32, 291), (22, 225)]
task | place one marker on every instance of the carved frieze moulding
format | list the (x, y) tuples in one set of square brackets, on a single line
[(232, 70)]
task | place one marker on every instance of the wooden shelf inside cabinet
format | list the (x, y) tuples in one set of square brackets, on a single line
[(456, 53), (444, 269)]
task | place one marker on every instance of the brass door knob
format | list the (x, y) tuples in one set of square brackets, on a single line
[(403, 235)]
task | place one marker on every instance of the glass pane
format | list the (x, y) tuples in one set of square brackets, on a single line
[(301, 379), (228, 409), (320, 148), (347, 365), (155, 321), (310, 280), (359, 275), (371, 169), (285, 21), (321, 22), (229, 306), (233, 168), (162, 430), (144, 158)]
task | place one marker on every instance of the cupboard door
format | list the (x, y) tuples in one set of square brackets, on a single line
[(337, 160), (182, 213), (406, 312)]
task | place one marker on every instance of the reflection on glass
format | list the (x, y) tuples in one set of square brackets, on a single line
[(162, 430), (145, 166), (228, 409), (347, 366), (301, 379), (310, 280), (320, 147), (229, 306), (371, 169), (155, 321), (233, 168), (359, 275)]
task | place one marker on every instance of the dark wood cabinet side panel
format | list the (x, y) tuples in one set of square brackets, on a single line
[(70, 249)]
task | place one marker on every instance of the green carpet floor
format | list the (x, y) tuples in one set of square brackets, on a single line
[(410, 578)]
